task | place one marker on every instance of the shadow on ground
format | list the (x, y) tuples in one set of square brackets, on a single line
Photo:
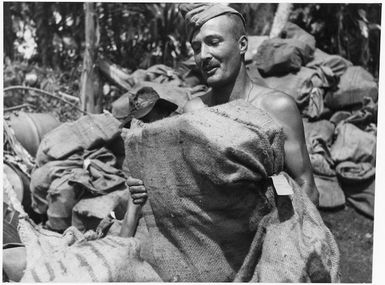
[(354, 235)]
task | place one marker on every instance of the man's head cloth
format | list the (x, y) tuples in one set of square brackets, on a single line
[(198, 14)]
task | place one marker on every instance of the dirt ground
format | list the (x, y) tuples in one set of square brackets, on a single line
[(354, 235)]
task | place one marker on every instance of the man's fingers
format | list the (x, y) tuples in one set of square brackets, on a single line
[(134, 181), (137, 189), (139, 196), (139, 201)]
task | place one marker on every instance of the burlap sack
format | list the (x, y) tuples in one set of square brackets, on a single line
[(58, 185), (291, 244), (73, 257), (206, 175), (355, 84), (52, 257), (280, 56), (319, 138), (336, 63), (298, 85), (88, 132), (353, 144)]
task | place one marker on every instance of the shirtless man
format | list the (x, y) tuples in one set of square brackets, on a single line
[(218, 39)]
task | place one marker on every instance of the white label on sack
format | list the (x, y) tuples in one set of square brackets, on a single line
[(282, 187)]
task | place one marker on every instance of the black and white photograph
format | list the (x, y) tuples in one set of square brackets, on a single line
[(192, 142)]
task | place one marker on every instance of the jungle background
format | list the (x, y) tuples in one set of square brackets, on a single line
[(45, 47)]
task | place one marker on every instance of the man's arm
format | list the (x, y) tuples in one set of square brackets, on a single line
[(138, 196), (297, 162)]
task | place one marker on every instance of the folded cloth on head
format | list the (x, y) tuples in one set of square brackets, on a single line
[(198, 14)]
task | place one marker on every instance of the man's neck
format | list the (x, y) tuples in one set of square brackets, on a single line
[(237, 89)]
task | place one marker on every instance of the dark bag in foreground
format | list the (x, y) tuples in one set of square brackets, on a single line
[(213, 214)]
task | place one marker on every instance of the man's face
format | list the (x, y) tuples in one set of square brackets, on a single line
[(217, 51)]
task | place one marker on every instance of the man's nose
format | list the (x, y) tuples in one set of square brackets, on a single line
[(205, 52)]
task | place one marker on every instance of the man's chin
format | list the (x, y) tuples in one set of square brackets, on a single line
[(214, 82)]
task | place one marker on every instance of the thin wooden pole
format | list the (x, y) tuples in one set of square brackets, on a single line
[(280, 19), (90, 91)]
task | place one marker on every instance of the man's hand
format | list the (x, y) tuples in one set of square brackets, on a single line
[(139, 196), (137, 190)]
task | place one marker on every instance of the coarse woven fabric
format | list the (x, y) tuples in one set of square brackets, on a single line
[(291, 244), (72, 257), (206, 174), (52, 257)]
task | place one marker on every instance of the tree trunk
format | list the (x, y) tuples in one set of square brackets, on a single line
[(280, 19), (44, 32), (91, 88), (9, 36)]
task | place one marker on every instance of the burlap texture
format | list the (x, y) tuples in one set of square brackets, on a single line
[(209, 206), (71, 257), (52, 257), (291, 244)]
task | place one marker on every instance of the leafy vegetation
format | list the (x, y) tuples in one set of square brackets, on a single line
[(44, 42)]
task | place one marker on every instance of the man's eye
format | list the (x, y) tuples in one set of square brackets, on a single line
[(196, 48), (214, 42)]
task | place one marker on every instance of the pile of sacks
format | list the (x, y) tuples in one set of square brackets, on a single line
[(338, 102), (78, 178)]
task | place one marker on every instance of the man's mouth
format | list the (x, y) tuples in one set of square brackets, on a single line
[(210, 70)]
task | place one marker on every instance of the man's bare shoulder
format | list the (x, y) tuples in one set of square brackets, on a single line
[(278, 104)]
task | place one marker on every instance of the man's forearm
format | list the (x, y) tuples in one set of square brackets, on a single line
[(309, 188)]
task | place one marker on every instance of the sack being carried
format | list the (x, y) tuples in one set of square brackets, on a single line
[(211, 202)]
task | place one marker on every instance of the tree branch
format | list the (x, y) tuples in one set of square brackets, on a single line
[(20, 87)]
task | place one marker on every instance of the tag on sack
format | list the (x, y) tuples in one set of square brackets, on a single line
[(282, 187)]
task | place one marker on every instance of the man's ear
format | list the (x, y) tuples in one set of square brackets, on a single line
[(243, 44)]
